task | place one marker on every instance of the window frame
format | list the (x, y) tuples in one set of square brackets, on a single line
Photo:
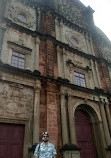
[(79, 77), (18, 58)]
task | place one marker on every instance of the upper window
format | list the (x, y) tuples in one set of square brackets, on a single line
[(18, 60), (21, 18), (74, 42), (79, 79)]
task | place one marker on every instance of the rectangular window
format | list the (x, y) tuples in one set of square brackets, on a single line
[(79, 79), (18, 60)]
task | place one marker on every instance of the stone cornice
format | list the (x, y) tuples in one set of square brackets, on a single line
[(70, 148), (37, 75), (94, 91), (11, 69), (17, 45)]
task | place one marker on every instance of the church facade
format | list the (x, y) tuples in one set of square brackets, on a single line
[(55, 76)]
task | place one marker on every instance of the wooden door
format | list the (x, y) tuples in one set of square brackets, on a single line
[(11, 140), (84, 135)]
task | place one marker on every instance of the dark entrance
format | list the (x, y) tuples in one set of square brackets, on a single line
[(84, 135), (11, 140)]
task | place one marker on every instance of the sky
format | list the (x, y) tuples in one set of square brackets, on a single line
[(102, 14)]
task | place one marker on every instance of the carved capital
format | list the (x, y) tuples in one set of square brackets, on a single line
[(39, 11), (64, 51), (61, 24), (59, 49), (37, 88), (70, 96), (37, 41), (101, 102), (62, 94), (85, 100)]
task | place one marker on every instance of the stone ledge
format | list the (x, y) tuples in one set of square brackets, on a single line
[(69, 147)]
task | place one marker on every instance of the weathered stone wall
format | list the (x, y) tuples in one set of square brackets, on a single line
[(16, 101)]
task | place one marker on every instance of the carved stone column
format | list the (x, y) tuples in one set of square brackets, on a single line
[(36, 63), (71, 121), (64, 120), (36, 112), (105, 124)]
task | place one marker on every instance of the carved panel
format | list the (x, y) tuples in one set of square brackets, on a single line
[(22, 15), (78, 37), (16, 100), (78, 61)]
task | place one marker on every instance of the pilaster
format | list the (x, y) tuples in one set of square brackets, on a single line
[(97, 73), (64, 120), (36, 63), (105, 124), (71, 121), (64, 62), (87, 44), (94, 74), (61, 32), (108, 115), (36, 112), (2, 32), (60, 64), (92, 50)]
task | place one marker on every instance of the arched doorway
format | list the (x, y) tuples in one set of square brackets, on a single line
[(84, 134)]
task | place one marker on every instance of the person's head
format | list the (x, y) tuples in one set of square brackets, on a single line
[(45, 136)]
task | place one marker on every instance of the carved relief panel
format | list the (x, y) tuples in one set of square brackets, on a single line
[(71, 37), (22, 14), (16, 101), (74, 39), (74, 63)]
